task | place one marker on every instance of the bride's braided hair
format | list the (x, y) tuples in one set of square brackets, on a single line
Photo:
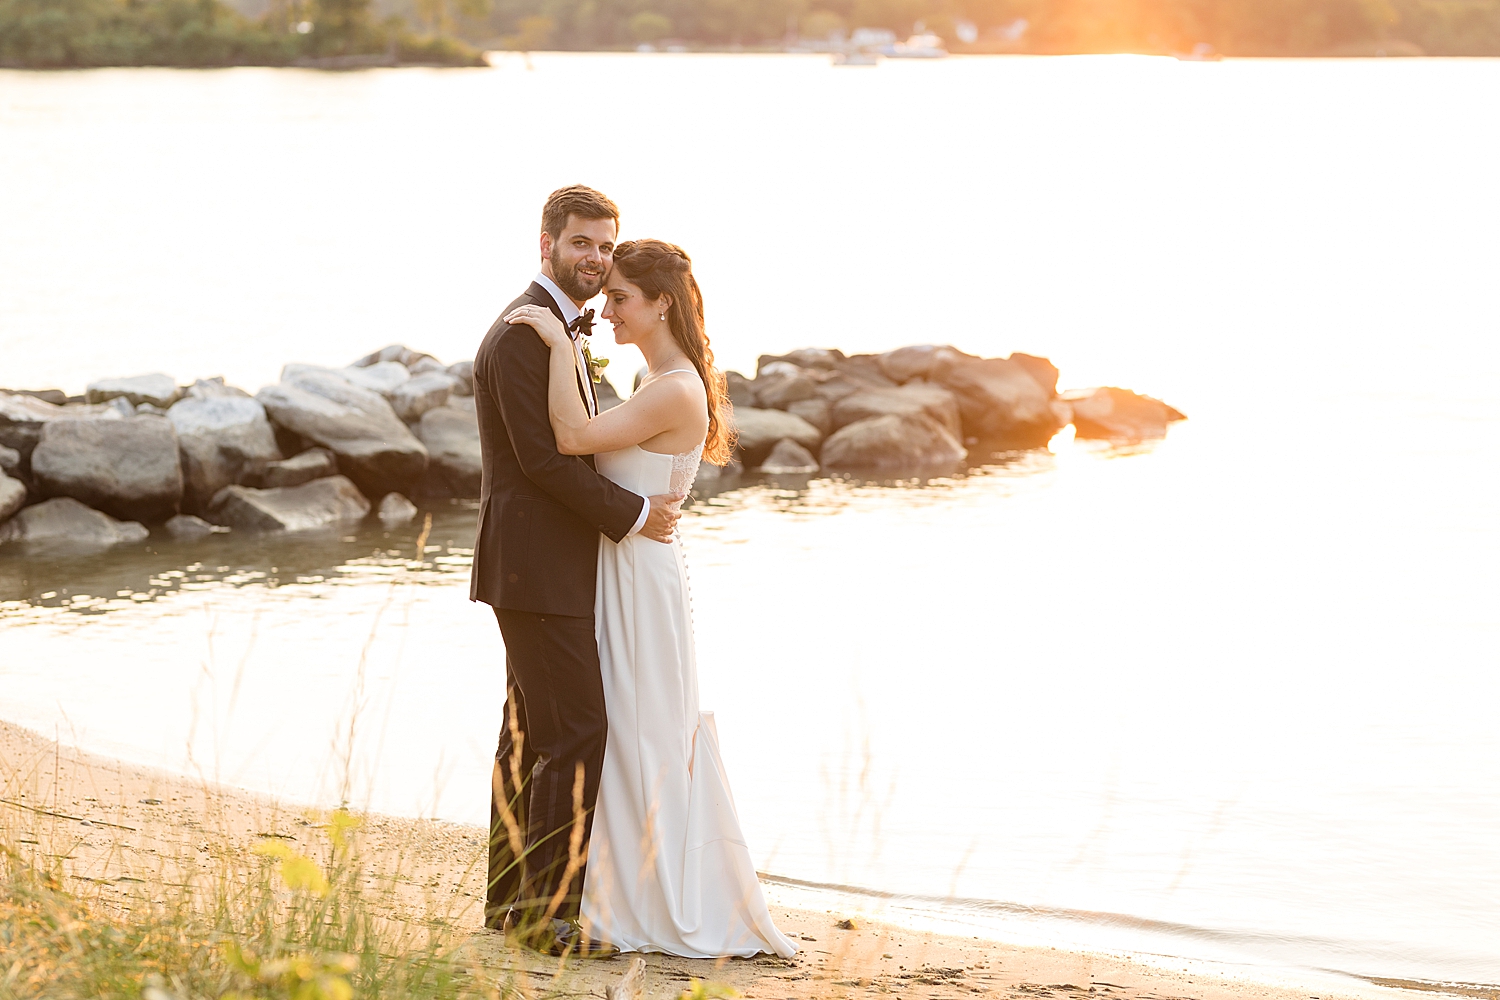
[(656, 267)]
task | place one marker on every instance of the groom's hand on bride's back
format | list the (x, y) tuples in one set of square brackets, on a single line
[(662, 520)]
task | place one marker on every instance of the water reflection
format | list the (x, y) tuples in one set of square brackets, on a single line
[(114, 579)]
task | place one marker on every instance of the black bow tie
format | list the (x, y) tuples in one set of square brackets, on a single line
[(584, 324)]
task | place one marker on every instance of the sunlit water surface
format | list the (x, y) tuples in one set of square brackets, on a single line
[(1231, 697)]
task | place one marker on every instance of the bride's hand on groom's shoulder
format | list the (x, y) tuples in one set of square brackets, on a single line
[(543, 321)]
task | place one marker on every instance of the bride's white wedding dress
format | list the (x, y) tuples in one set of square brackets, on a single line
[(668, 869)]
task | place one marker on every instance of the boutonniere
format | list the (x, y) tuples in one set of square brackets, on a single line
[(596, 365)]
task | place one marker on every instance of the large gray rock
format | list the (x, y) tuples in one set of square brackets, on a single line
[(893, 444), (399, 353), (779, 384), (464, 372), (22, 418), (741, 390), (156, 389), (374, 448), (789, 458), (10, 461), (1041, 369), (1000, 401), (12, 496), (54, 396), (224, 440), (455, 462), (186, 527), (815, 411), (1119, 415), (421, 393), (759, 430), (906, 363), (314, 463), (384, 378), (396, 510), (64, 523), (213, 388), (322, 503), (820, 358), (912, 399), (127, 468)]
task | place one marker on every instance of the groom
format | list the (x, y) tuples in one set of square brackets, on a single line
[(535, 561)]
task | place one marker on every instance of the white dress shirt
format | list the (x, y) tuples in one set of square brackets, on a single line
[(571, 312)]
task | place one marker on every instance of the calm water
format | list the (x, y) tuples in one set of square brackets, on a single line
[(1237, 690)]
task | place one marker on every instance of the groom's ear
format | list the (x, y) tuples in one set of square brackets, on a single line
[(546, 245)]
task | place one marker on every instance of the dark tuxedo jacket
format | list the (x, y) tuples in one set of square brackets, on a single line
[(541, 512)]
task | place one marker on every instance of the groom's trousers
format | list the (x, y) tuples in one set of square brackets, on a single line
[(547, 766)]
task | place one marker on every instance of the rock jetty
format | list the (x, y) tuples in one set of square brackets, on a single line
[(324, 447)]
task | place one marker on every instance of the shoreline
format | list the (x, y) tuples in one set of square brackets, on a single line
[(119, 821)]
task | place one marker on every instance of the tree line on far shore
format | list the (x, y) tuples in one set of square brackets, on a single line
[(73, 33), (61, 34)]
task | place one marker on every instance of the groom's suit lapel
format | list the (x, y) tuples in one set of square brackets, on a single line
[(542, 297)]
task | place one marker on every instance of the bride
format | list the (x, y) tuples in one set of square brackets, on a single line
[(668, 869)]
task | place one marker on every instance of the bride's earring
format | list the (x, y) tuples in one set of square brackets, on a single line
[(663, 317)]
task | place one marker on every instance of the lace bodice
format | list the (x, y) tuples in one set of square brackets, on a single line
[(685, 469)]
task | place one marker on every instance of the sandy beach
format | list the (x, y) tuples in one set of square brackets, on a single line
[(117, 830)]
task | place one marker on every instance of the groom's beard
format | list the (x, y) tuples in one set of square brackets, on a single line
[(579, 287)]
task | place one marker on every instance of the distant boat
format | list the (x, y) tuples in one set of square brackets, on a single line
[(855, 59), (923, 46)]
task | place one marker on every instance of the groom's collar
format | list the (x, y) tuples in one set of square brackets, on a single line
[(565, 305)]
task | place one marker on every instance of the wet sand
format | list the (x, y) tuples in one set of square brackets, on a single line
[(118, 829)]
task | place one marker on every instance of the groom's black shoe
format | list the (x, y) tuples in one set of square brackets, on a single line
[(565, 937)]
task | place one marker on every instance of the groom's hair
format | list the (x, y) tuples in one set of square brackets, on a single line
[(575, 199)]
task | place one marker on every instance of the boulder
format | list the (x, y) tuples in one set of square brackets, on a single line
[(54, 396), (759, 430), (740, 389), (464, 372), (893, 443), (149, 410), (711, 475), (421, 393), (780, 383), (374, 448), (314, 463), (906, 363), (466, 404), (399, 353), (819, 358), (213, 388), (1041, 369), (908, 400), (321, 503), (999, 400), (609, 398), (866, 368), (396, 510), (815, 411), (383, 377), (127, 468), (186, 527), (63, 522), (10, 461), (789, 458), (1119, 415), (452, 439), (22, 418), (156, 389), (223, 439), (426, 364), (12, 496)]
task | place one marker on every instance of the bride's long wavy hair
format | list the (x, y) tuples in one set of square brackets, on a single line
[(656, 267)]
